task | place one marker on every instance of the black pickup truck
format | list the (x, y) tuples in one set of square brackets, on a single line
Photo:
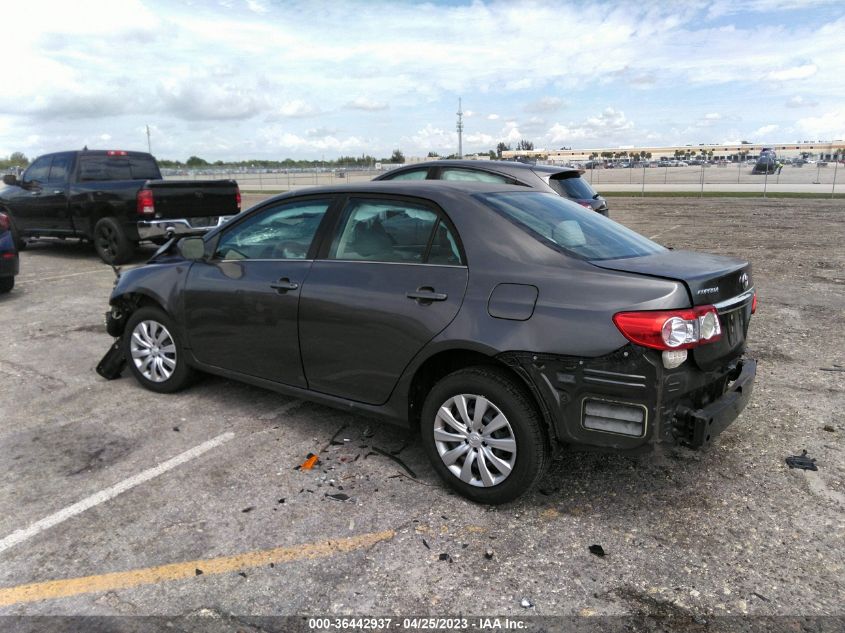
[(114, 199)]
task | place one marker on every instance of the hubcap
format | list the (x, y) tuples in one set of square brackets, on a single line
[(153, 351), (475, 440)]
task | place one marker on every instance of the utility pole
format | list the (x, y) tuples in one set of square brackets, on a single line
[(460, 128), (149, 147)]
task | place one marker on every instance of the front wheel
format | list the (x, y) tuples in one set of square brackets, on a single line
[(154, 352), (111, 242), (484, 435)]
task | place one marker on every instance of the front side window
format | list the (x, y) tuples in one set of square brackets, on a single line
[(283, 231), (392, 231), (569, 227), (471, 175), (39, 171), (412, 174)]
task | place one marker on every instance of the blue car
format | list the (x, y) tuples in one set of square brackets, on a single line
[(9, 263)]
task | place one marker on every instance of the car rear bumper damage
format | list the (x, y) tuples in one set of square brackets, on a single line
[(628, 401), (154, 229)]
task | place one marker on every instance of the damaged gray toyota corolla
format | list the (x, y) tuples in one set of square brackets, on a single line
[(501, 322)]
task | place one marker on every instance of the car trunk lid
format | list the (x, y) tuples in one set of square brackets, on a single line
[(724, 282)]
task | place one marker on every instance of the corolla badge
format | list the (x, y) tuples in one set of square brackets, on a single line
[(708, 291), (743, 279)]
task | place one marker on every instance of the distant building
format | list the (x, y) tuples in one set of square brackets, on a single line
[(823, 150)]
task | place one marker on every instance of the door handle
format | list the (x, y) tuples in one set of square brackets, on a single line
[(426, 295), (284, 284)]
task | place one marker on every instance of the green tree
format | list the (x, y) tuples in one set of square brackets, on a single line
[(196, 161), (19, 159), (502, 147), (397, 157), (433, 155), (524, 145)]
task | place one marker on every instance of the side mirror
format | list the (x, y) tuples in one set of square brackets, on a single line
[(10, 179), (192, 248)]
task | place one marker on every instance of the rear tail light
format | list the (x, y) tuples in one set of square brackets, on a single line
[(238, 198), (146, 206), (754, 304), (5, 224), (586, 205), (116, 152), (670, 329)]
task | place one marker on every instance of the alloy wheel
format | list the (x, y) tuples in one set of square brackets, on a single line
[(153, 351), (475, 440)]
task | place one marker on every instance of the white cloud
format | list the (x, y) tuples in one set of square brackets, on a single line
[(764, 133), (794, 72), (712, 116), (492, 117), (545, 104), (797, 101), (365, 103), (298, 109), (829, 126), (609, 124)]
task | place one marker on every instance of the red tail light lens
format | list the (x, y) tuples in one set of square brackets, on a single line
[(586, 205), (146, 206), (5, 223), (754, 304), (670, 329), (238, 198)]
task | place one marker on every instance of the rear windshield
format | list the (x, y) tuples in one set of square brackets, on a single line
[(572, 186), (118, 168), (569, 227)]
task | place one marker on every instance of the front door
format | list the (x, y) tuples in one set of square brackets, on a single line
[(392, 279), (241, 306)]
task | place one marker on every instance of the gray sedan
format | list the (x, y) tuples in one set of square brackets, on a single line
[(498, 320)]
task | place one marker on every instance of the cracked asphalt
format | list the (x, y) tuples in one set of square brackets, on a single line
[(730, 531)]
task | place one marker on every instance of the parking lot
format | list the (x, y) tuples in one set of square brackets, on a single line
[(193, 503)]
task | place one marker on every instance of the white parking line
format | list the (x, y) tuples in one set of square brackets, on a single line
[(110, 493), (671, 228), (56, 277)]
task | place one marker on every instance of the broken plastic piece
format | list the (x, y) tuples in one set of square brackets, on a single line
[(445, 556), (801, 461), (309, 462), (488, 553), (339, 496), (598, 550), (526, 603), (112, 364)]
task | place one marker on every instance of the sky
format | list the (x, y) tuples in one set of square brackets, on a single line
[(265, 79)]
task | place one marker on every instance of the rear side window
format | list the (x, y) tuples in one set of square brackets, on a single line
[(101, 167), (413, 174), (393, 231), (472, 175), (568, 227), (572, 186)]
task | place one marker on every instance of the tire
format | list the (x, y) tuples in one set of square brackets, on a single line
[(149, 329), (6, 284), (111, 243), (523, 430)]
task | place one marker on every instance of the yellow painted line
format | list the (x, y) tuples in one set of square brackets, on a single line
[(64, 588)]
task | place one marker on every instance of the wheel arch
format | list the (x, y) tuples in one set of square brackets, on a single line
[(446, 361)]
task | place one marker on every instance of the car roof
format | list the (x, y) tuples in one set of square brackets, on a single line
[(504, 166)]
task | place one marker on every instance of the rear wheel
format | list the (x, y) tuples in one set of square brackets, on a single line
[(154, 352), (6, 284), (484, 435), (111, 243)]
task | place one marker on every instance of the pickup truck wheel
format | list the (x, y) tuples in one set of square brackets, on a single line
[(154, 353), (111, 242), (483, 435), (6, 284)]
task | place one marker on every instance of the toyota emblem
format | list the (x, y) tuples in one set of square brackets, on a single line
[(743, 279)]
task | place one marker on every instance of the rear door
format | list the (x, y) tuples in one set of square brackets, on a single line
[(51, 206), (241, 306), (26, 202), (391, 277)]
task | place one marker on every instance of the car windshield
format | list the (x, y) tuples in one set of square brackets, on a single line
[(572, 186), (568, 227)]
